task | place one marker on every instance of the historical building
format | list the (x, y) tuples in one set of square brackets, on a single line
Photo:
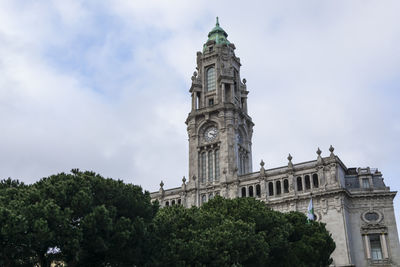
[(355, 204)]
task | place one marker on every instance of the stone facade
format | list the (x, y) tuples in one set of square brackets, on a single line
[(355, 204)]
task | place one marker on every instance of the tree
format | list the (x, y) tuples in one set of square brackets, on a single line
[(238, 232), (81, 218)]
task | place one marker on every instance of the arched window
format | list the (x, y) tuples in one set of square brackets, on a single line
[(243, 191), (173, 202), (278, 187), (167, 203), (210, 196), (211, 79), (179, 201), (203, 167), (315, 180), (216, 165), (285, 186), (270, 189), (203, 199), (299, 184), (258, 190), (251, 193), (210, 166), (307, 182)]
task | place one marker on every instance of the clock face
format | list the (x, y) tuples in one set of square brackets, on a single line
[(210, 134)]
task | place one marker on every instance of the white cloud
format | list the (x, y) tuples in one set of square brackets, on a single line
[(104, 85)]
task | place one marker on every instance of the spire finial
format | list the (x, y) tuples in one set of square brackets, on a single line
[(217, 24)]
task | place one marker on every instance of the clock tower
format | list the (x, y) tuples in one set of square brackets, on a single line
[(219, 128)]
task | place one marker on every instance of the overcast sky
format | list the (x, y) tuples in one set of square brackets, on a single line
[(103, 85)]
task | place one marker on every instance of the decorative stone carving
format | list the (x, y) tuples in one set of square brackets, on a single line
[(290, 164), (331, 149), (262, 170), (319, 158)]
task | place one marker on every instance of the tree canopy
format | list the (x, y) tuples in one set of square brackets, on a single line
[(238, 232), (83, 219)]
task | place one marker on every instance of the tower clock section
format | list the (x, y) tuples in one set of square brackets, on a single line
[(219, 128)]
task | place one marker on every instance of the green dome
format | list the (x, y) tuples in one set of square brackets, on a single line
[(218, 35)]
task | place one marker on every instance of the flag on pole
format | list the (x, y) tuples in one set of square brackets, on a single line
[(310, 211)]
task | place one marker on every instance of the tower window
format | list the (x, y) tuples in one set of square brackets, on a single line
[(210, 166), (203, 167), (211, 79), (211, 101), (216, 165)]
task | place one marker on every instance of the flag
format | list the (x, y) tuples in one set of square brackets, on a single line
[(310, 211)]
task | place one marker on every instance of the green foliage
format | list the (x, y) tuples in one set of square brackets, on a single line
[(238, 232), (81, 218)]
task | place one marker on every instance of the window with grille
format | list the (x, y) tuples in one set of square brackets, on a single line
[(376, 249), (211, 79)]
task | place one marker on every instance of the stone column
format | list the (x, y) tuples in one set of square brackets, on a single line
[(367, 247), (384, 246)]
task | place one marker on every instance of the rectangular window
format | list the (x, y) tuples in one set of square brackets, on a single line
[(365, 183), (210, 166), (211, 101), (216, 165), (203, 167), (376, 249)]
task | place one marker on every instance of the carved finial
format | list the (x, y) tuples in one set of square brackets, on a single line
[(217, 24), (262, 164), (161, 184), (290, 164), (319, 152), (331, 149), (183, 179), (244, 81)]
